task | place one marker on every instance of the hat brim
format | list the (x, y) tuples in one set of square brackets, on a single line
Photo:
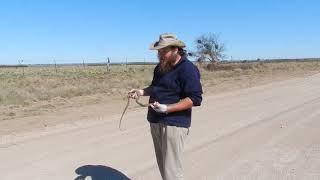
[(156, 45)]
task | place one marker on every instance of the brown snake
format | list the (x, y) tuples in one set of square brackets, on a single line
[(125, 109)]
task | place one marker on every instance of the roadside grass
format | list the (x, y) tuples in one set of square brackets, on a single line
[(35, 89), (39, 84), (33, 84)]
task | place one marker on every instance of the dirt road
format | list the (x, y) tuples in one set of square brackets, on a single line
[(265, 132)]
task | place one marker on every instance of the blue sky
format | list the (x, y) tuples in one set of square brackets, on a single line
[(39, 31)]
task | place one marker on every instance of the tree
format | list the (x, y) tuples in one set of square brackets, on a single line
[(209, 48)]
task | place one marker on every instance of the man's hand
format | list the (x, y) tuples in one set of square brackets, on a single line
[(135, 93), (160, 108)]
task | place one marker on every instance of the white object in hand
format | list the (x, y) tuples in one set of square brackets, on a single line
[(160, 108)]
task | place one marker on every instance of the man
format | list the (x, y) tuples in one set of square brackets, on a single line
[(175, 88)]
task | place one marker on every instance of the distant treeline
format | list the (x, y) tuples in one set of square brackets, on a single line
[(14, 66), (154, 63), (271, 60)]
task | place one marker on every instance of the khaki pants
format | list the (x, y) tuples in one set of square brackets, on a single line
[(168, 143)]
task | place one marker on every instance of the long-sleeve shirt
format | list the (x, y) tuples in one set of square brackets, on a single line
[(170, 87)]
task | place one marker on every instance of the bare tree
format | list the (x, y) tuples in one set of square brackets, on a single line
[(209, 48)]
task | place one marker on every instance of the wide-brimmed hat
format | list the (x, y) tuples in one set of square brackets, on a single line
[(165, 40)]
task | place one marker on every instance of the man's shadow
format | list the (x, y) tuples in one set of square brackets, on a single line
[(99, 172)]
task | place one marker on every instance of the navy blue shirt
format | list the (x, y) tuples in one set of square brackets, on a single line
[(170, 87)]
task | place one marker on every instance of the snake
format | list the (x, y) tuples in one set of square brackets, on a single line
[(127, 105)]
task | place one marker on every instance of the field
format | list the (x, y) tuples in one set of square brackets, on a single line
[(31, 91)]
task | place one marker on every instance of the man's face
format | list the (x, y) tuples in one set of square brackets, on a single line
[(165, 53), (167, 57)]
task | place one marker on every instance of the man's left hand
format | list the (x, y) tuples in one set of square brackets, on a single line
[(160, 108)]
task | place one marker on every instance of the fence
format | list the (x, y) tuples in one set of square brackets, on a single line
[(108, 62), (85, 66)]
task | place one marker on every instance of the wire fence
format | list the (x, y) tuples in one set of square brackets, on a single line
[(124, 63), (59, 67), (88, 62)]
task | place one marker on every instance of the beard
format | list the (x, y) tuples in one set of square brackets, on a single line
[(166, 65)]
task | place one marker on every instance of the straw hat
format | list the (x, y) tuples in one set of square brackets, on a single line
[(165, 40)]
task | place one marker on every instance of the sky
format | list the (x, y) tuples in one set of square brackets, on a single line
[(73, 31)]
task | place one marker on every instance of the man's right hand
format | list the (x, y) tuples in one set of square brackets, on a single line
[(135, 93)]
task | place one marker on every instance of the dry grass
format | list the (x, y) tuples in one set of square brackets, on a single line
[(42, 85), (243, 75), (39, 84)]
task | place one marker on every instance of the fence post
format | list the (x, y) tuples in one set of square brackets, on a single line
[(20, 62), (126, 64), (55, 66), (108, 65)]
